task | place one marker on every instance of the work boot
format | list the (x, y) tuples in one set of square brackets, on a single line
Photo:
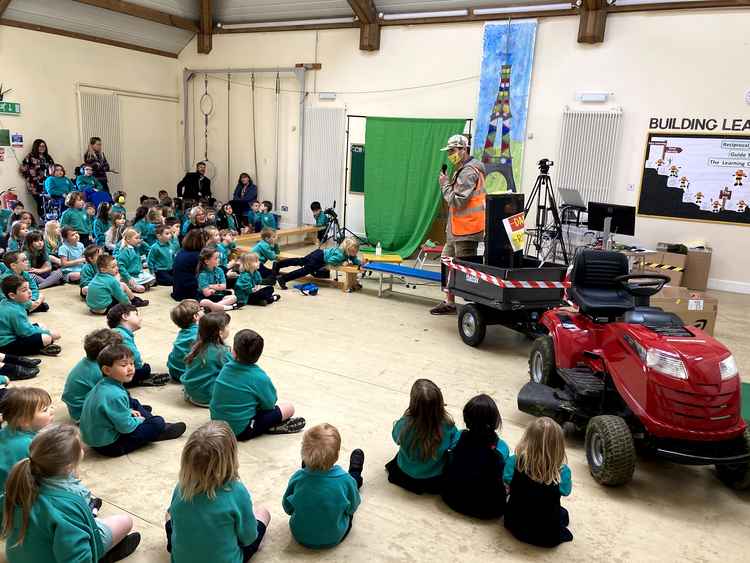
[(444, 308)]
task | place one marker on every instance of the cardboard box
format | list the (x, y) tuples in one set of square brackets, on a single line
[(666, 261), (697, 269), (693, 307)]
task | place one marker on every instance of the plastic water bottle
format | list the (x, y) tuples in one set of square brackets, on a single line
[(378, 250)]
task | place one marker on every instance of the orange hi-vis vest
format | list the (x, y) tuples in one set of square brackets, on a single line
[(469, 220)]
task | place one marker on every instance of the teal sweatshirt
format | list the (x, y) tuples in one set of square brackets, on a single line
[(100, 230), (212, 530), (410, 462), (223, 254), (266, 251), (129, 263), (87, 274), (181, 348), (240, 391), (566, 477), (14, 446), (84, 183), (321, 220), (13, 245), (211, 277), (267, 220), (160, 257), (252, 217), (81, 379), (335, 257), (106, 414), (103, 289), (61, 528), (14, 322), (321, 505), (147, 230), (128, 339), (200, 375), (58, 187), (33, 286), (245, 285), (77, 219), (174, 244)]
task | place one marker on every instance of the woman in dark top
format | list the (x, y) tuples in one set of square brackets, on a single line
[(244, 194), (35, 168), (185, 284), (95, 158)]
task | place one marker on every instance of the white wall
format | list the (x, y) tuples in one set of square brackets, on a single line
[(43, 70)]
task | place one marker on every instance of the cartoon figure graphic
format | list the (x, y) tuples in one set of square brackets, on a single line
[(716, 205), (673, 181), (699, 199), (741, 206), (739, 176), (673, 170), (661, 167), (684, 183), (725, 195)]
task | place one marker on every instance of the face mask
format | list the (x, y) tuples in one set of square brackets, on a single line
[(455, 158)]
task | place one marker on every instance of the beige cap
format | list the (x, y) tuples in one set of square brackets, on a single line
[(456, 142)]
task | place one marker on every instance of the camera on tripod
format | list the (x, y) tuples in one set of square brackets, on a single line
[(544, 165), (331, 213)]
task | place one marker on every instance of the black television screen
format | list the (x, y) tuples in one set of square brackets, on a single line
[(623, 218)]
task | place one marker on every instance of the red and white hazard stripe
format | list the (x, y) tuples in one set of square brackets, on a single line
[(512, 284)]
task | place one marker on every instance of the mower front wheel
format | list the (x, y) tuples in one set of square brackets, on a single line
[(542, 368), (610, 450), (472, 325), (736, 475)]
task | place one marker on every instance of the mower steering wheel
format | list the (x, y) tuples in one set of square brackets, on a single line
[(643, 285)]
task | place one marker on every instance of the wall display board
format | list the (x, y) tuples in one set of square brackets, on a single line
[(357, 176), (697, 177)]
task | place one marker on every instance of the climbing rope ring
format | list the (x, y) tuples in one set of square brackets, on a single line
[(205, 100)]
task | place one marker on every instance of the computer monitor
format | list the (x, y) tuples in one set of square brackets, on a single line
[(622, 218)]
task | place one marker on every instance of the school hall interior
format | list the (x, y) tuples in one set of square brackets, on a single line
[(459, 280)]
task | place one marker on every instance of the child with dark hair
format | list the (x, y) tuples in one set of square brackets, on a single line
[(186, 315), (161, 256), (86, 181), (75, 217), (244, 397), (17, 335), (226, 218), (102, 223), (40, 263), (86, 373), (253, 217), (267, 219), (18, 264), (206, 358), (18, 232), (425, 434), (112, 422), (17, 209), (91, 253), (126, 320), (321, 219), (473, 476), (71, 254), (212, 283)]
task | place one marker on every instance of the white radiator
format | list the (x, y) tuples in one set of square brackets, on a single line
[(100, 117), (587, 152), (324, 157)]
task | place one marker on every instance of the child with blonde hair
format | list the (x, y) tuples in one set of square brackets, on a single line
[(210, 491), (206, 358), (249, 289), (52, 242), (186, 315), (47, 516), (212, 283), (315, 262), (321, 498), (130, 264), (267, 250), (537, 476)]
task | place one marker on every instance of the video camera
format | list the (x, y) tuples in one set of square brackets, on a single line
[(544, 165), (330, 212)]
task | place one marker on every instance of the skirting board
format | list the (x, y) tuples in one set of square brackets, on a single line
[(729, 285)]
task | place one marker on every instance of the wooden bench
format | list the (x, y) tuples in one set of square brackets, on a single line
[(246, 242), (350, 273)]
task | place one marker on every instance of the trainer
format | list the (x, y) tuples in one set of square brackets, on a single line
[(465, 194)]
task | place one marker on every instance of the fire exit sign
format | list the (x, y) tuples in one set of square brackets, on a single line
[(10, 108)]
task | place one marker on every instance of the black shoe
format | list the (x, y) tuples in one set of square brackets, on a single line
[(18, 373), (138, 302), (51, 350), (43, 308), (172, 431), (123, 549), (356, 461), (22, 361), (95, 504), (275, 269), (289, 426), (154, 380), (282, 283)]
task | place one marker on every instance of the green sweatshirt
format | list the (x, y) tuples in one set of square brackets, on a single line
[(128, 339), (100, 231), (181, 348), (58, 187), (87, 274), (232, 224), (335, 257), (211, 277), (103, 289), (245, 285), (160, 257), (14, 322), (61, 528), (240, 391), (267, 220), (129, 263), (77, 219), (84, 182), (321, 220), (212, 530), (106, 414), (200, 375), (33, 286), (147, 231), (14, 446), (321, 505), (410, 462), (566, 477), (266, 251), (81, 379)]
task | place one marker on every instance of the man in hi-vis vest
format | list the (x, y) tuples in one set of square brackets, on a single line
[(465, 194)]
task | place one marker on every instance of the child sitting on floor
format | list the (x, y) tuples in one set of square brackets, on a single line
[(244, 396), (210, 491), (315, 262), (18, 232), (47, 514), (206, 358), (17, 335), (40, 264), (25, 411), (91, 253), (52, 242), (102, 223), (113, 236), (90, 209), (18, 265), (126, 320), (267, 219), (267, 250), (71, 255), (537, 476), (249, 289), (321, 498), (161, 256), (105, 290), (425, 434), (86, 373), (112, 422), (472, 480), (186, 315), (212, 284), (130, 265), (75, 216)]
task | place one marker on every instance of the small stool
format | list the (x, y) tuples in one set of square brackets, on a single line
[(425, 252)]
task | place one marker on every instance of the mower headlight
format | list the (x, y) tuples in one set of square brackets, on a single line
[(666, 363), (728, 368)]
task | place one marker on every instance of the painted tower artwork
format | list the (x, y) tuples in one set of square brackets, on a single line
[(498, 161)]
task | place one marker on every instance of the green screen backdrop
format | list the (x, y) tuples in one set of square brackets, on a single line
[(402, 195)]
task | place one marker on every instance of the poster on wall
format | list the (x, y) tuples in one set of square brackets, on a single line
[(697, 177), (504, 84)]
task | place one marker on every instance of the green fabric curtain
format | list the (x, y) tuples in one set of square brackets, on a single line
[(402, 195)]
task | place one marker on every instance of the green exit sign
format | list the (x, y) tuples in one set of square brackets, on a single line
[(10, 108)]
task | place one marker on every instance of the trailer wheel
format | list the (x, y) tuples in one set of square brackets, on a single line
[(610, 450), (542, 367), (471, 325), (736, 475)]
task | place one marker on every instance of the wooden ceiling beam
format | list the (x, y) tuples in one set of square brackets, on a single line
[(593, 21), (369, 26), (206, 24), (142, 12)]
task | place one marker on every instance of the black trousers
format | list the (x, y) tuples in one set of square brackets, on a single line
[(431, 485), (263, 295), (24, 346), (247, 550), (146, 432), (312, 264), (164, 277), (260, 424)]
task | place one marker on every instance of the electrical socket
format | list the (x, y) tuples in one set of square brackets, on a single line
[(285, 208)]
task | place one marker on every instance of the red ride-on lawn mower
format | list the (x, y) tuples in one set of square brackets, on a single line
[(635, 377)]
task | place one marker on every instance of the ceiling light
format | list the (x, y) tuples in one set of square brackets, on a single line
[(520, 9), (289, 23), (418, 15)]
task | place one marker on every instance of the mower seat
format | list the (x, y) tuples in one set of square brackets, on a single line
[(653, 317), (593, 286)]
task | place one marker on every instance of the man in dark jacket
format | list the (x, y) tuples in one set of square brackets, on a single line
[(195, 185)]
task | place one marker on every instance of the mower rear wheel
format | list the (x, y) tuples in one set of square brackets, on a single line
[(471, 324), (542, 367), (610, 450), (736, 475)]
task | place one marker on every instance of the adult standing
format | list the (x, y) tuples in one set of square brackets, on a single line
[(466, 197), (185, 279), (195, 185), (95, 158), (245, 193), (35, 168)]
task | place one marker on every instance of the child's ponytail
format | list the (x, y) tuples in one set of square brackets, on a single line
[(210, 328), (21, 490)]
